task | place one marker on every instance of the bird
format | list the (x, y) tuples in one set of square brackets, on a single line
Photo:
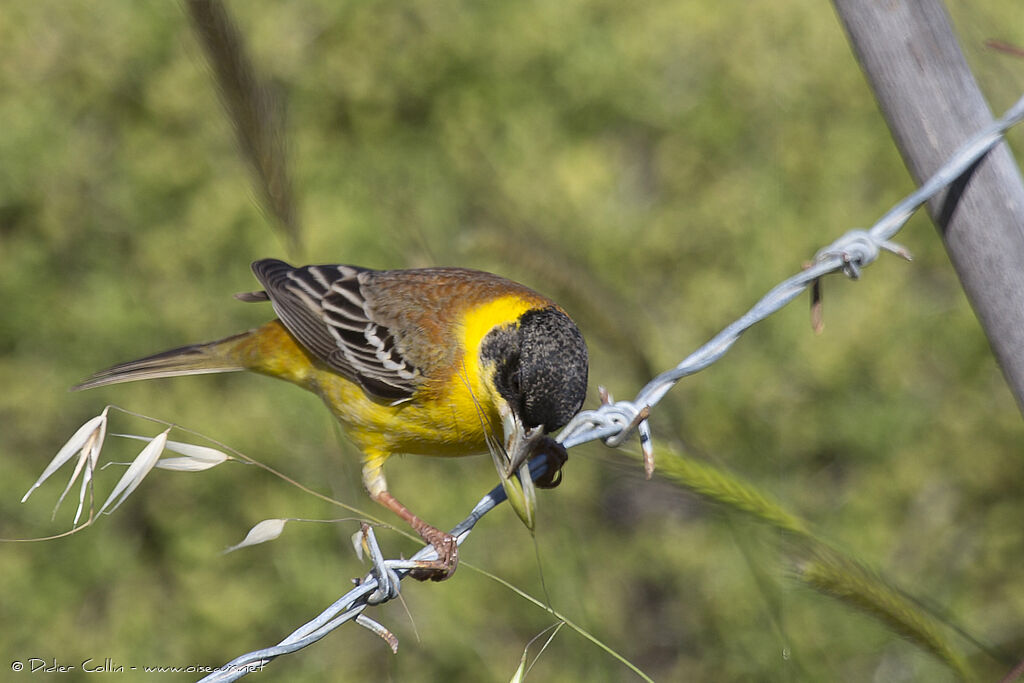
[(428, 361)]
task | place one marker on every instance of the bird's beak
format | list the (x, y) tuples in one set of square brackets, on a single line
[(519, 442)]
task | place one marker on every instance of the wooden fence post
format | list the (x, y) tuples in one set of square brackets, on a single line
[(929, 97)]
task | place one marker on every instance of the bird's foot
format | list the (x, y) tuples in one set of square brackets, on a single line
[(447, 548)]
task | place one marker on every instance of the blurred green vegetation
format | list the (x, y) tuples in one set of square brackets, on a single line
[(655, 168)]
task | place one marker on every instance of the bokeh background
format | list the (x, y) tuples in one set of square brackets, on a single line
[(655, 168)]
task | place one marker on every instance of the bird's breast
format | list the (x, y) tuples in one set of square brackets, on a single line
[(452, 414)]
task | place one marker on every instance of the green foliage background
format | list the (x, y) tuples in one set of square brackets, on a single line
[(655, 167)]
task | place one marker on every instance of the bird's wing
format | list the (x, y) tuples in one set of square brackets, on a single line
[(326, 309)]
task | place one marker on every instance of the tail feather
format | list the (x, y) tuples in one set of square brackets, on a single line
[(195, 359)]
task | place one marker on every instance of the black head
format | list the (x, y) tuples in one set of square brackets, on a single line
[(540, 367)]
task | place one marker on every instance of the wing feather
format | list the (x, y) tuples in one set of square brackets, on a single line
[(326, 309)]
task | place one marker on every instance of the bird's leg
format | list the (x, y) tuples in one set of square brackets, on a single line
[(445, 544)]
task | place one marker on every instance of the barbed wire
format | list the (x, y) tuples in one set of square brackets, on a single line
[(380, 585), (613, 421)]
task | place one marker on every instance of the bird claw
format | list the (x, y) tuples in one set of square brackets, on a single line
[(447, 548)]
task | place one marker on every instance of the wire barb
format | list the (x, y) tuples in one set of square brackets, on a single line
[(388, 582), (380, 630), (857, 249)]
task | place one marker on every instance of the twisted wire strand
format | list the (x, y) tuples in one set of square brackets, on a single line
[(370, 590), (613, 421)]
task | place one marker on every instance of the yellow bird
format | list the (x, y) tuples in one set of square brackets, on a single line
[(432, 361)]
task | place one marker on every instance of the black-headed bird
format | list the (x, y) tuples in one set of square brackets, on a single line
[(431, 361)]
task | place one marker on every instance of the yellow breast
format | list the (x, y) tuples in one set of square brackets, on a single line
[(451, 415)]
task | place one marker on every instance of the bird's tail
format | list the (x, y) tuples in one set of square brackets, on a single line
[(196, 359)]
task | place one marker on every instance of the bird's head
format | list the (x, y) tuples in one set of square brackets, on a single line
[(539, 371)]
